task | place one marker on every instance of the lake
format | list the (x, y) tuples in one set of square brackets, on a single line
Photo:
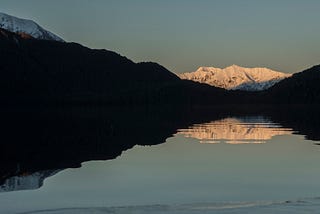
[(215, 163)]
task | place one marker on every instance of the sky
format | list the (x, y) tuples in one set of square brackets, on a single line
[(183, 35)]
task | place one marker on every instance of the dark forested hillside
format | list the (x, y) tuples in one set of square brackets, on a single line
[(301, 88), (38, 70), (58, 72), (51, 72)]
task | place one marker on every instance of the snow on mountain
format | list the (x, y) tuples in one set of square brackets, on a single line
[(236, 78), (18, 25)]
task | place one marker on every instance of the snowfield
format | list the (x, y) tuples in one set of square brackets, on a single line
[(18, 25), (236, 77)]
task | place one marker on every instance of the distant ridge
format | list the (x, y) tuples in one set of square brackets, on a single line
[(43, 72), (18, 25), (236, 77)]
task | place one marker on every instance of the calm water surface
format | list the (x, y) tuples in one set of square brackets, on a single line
[(230, 165)]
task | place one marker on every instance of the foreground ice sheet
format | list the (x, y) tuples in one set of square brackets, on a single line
[(279, 207)]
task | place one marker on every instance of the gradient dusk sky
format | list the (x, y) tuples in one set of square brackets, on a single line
[(182, 35)]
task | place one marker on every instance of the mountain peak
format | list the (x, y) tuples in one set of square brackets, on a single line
[(234, 66), (235, 77), (19, 25)]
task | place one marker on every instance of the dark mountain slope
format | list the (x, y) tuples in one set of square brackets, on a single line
[(38, 70), (301, 88), (51, 72)]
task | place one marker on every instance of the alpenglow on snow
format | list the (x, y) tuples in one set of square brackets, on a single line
[(18, 25), (236, 77)]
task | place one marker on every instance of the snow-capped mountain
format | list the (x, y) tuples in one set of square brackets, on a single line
[(236, 78), (18, 25)]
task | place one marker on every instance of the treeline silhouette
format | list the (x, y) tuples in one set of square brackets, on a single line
[(50, 72), (301, 88)]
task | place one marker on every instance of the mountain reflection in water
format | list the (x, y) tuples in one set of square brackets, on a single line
[(38, 143), (233, 130)]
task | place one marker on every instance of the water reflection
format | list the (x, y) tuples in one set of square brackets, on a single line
[(35, 143), (26, 181), (236, 130)]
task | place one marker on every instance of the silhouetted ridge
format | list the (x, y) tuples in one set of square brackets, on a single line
[(301, 88), (51, 71), (161, 73), (41, 71)]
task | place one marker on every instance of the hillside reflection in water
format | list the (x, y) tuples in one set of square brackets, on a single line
[(38, 143), (161, 157)]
